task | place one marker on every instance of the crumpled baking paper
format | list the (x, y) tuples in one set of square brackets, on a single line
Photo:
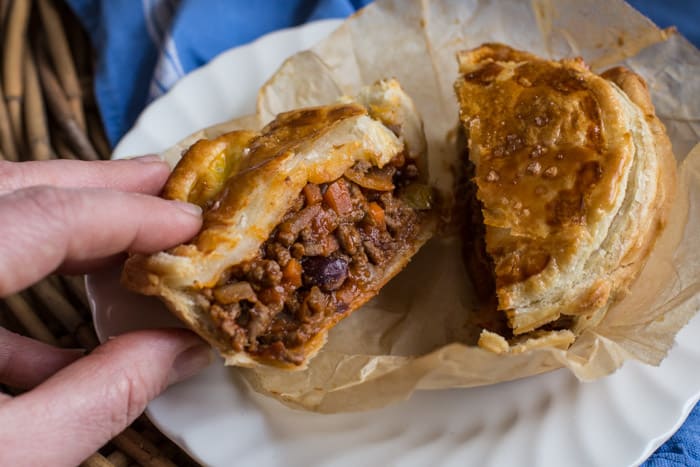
[(417, 334)]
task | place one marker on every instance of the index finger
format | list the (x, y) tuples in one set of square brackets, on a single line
[(141, 174), (45, 227)]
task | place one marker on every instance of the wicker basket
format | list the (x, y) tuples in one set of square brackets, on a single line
[(48, 111)]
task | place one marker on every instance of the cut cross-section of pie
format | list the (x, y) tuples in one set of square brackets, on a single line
[(303, 223), (571, 173)]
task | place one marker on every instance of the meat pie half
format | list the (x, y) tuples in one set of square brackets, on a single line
[(571, 175), (303, 223)]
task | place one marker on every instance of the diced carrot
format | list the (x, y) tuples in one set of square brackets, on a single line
[(376, 213), (292, 272), (337, 197), (272, 296), (312, 193)]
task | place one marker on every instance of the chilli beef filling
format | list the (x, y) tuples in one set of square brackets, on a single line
[(331, 248), (480, 267)]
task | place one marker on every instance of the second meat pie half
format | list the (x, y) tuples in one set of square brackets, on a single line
[(303, 223), (572, 174)]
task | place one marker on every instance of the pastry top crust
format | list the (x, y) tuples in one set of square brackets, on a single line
[(560, 155), (550, 153)]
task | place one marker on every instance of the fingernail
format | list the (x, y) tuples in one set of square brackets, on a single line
[(190, 362), (148, 159), (189, 208)]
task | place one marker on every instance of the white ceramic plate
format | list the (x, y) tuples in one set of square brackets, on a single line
[(548, 420)]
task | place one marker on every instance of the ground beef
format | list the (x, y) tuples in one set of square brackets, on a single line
[(374, 252), (278, 252), (349, 238), (331, 246), (290, 229)]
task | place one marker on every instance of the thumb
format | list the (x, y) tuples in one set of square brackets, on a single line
[(80, 408)]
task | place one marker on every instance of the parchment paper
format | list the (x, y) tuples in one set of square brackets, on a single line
[(417, 333)]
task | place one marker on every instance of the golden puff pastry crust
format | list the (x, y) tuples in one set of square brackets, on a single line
[(303, 223), (572, 173)]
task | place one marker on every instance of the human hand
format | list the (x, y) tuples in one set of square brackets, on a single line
[(73, 216)]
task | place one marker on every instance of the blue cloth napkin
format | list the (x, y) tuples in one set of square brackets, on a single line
[(143, 48)]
